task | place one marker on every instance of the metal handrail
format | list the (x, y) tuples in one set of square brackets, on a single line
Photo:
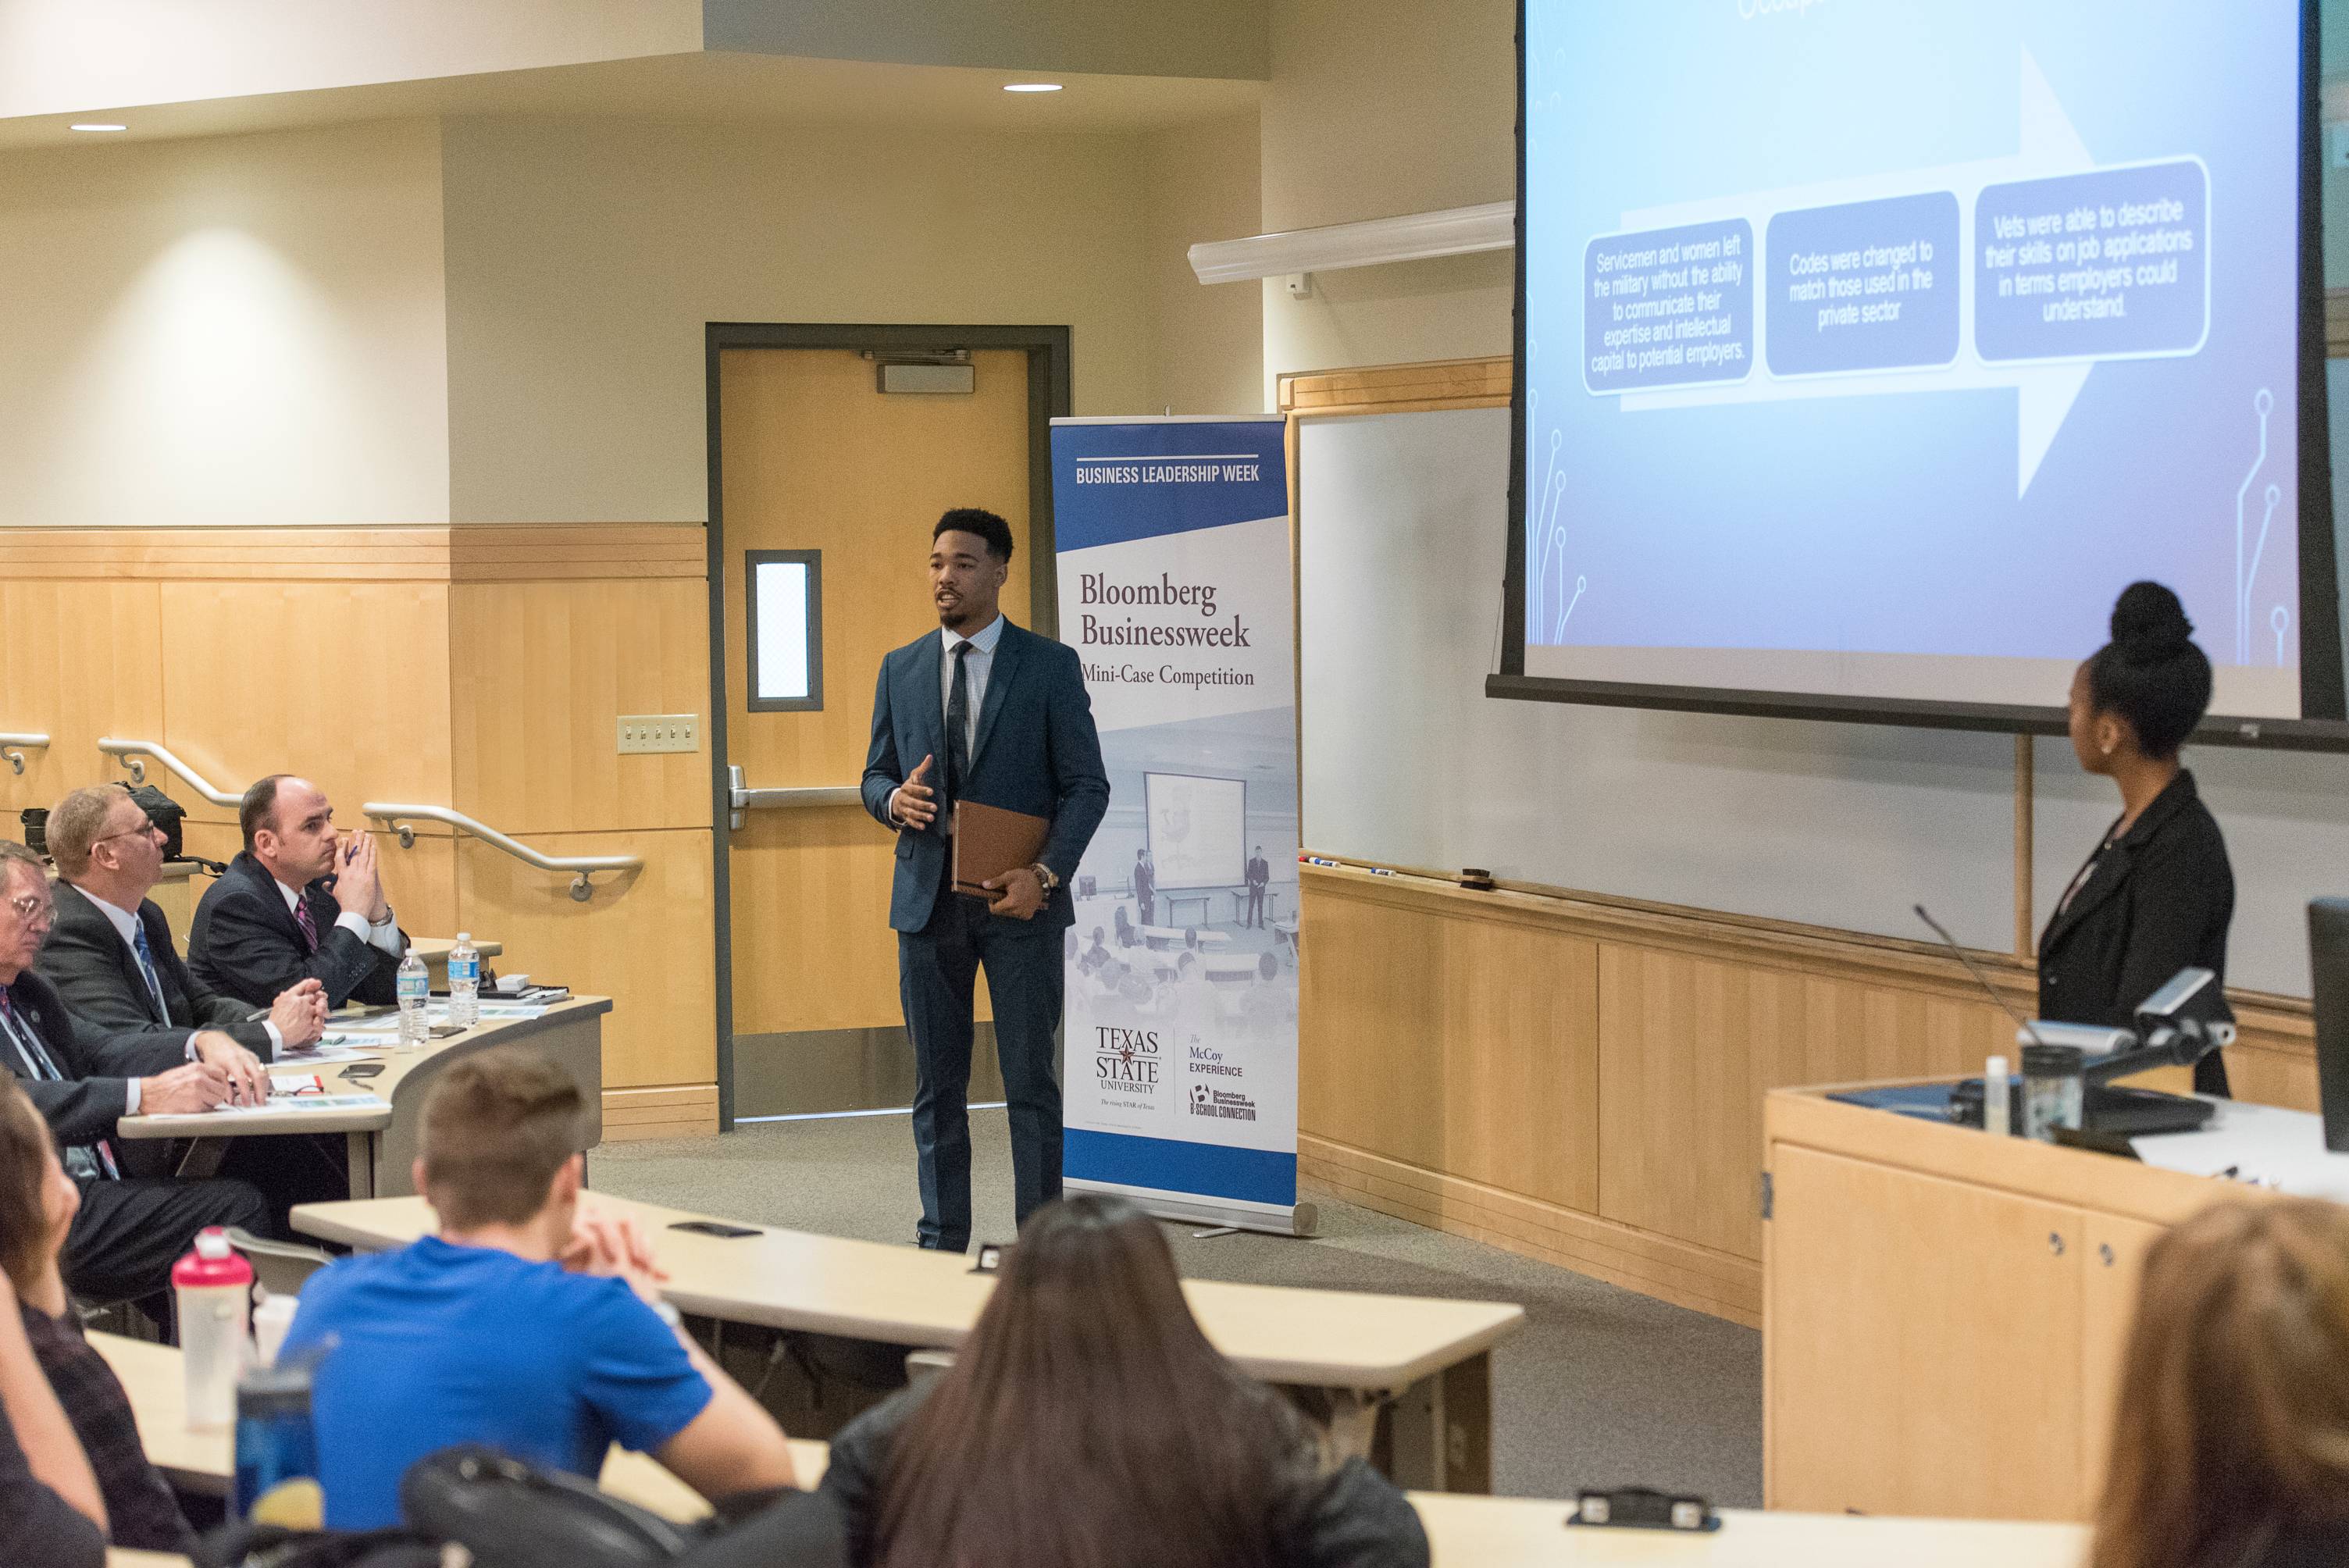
[(740, 797), (131, 751), (11, 741), (581, 888)]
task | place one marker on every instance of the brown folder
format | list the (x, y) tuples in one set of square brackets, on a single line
[(990, 841)]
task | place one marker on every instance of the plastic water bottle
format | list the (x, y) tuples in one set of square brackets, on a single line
[(464, 982), (213, 1287), (415, 985), (277, 1447)]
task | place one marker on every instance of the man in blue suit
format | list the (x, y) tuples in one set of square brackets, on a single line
[(988, 713)]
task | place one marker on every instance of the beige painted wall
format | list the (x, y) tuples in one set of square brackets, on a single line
[(1126, 37), (1207, 342), (584, 257), (67, 56), (244, 330), (1377, 108)]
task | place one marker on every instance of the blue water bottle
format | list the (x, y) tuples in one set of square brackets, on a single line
[(276, 1448)]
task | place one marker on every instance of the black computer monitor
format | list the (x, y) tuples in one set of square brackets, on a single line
[(2328, 962)]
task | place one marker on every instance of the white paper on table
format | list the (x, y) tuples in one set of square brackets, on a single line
[(2261, 1145), (280, 1104), (323, 1053)]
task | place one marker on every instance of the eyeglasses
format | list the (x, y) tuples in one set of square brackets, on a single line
[(34, 910), (144, 830)]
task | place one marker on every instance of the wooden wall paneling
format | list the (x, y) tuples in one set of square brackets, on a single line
[(1988, 1322), (1688, 1045), (678, 1110), (78, 660), (421, 882), (347, 683), (272, 554), (645, 940), (1423, 1043), (539, 674), (539, 552)]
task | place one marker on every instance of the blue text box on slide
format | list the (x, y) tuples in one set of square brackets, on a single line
[(1668, 307), (2107, 265), (1867, 286)]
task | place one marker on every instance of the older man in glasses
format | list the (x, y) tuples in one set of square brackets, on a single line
[(130, 1227)]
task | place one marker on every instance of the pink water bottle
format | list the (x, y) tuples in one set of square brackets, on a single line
[(213, 1287)]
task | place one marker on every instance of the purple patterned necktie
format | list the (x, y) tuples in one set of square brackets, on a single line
[(302, 918)]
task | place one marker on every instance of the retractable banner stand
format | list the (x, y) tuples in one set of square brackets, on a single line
[(1174, 586)]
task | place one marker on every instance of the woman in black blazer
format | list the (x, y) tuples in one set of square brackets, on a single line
[(2158, 894)]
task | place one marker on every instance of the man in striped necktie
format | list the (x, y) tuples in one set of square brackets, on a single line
[(111, 955), (129, 1228)]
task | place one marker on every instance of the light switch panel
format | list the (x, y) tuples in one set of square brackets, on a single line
[(641, 732)]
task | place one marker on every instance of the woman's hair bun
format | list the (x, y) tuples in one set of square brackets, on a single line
[(2149, 625)]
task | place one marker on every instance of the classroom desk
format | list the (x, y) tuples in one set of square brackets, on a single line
[(1945, 1313), (1168, 938), (202, 1463), (1426, 1360), (1500, 1532), (1466, 1531), (382, 1138)]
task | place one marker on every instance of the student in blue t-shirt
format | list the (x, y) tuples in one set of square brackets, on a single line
[(527, 1324)]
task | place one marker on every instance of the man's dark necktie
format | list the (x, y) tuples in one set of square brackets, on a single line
[(958, 732), (309, 924), (37, 1063), (146, 956)]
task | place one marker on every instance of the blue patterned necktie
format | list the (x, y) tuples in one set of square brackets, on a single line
[(146, 956), (39, 1066)]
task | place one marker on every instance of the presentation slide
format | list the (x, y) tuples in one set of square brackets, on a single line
[(1870, 349), (1197, 830)]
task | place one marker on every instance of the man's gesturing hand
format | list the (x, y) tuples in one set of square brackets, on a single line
[(356, 890), (914, 803)]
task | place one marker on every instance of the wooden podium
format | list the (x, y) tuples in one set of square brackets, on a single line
[(1944, 1312)]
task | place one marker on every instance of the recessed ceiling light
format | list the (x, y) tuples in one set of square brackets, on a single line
[(98, 128), (1031, 87)]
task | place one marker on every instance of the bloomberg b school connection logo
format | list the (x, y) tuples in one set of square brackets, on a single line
[(1208, 1100)]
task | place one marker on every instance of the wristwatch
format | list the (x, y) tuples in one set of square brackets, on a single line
[(1044, 875)]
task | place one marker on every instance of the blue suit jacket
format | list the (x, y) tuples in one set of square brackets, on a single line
[(1036, 752)]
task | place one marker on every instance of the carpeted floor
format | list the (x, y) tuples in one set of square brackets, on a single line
[(1602, 1387)]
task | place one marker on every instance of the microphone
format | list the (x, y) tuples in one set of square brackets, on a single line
[(1940, 931)]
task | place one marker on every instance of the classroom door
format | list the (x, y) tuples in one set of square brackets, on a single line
[(846, 482)]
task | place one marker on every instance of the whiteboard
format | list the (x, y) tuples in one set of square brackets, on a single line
[(1197, 828)]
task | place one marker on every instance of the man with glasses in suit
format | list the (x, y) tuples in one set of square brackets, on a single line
[(130, 1227), (111, 955)]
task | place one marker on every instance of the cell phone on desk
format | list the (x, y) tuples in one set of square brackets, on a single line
[(363, 1070), (718, 1228)]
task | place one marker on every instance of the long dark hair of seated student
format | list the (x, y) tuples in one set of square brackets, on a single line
[(1087, 1421), (2230, 1437)]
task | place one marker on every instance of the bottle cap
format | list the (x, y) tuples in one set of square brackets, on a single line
[(464, 936), (212, 1263)]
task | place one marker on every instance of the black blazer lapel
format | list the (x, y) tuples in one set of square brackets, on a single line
[(1009, 649), (2112, 870)]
